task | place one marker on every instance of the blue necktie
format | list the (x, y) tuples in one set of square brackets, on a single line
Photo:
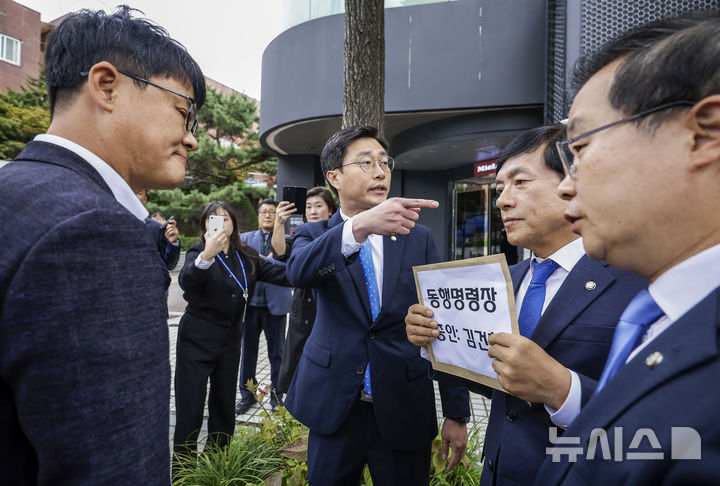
[(634, 322), (534, 297), (366, 260)]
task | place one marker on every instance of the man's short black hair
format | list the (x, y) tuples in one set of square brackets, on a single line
[(531, 140), (136, 45), (334, 151), (270, 202), (667, 60)]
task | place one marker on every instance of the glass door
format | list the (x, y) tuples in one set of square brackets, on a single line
[(477, 224)]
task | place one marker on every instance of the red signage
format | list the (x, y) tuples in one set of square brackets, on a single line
[(485, 168)]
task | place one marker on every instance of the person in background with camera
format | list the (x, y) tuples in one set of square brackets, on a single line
[(219, 278), (319, 206), (267, 313), (167, 240)]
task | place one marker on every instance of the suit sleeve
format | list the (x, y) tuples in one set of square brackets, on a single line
[(271, 272), (314, 259), (171, 255), (587, 387), (84, 351), (447, 379)]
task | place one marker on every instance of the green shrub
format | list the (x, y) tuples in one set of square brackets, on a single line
[(275, 453), (467, 473), (248, 460), (186, 207)]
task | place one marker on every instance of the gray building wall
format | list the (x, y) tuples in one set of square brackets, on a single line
[(469, 53)]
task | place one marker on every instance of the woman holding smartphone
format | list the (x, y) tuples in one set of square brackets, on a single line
[(319, 206), (218, 280)]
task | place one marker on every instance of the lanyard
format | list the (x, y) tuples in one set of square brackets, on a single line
[(245, 288)]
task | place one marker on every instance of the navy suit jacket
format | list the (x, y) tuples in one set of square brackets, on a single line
[(682, 391), (169, 253), (84, 350), (576, 329), (330, 373), (278, 298)]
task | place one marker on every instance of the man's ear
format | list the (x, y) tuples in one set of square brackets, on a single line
[(103, 80), (332, 177), (705, 123)]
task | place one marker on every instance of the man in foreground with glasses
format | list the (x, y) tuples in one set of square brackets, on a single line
[(643, 184), (84, 355), (360, 386), (266, 313), (568, 307)]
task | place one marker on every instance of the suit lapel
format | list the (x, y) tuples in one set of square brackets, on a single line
[(571, 299), (356, 272), (517, 272), (392, 259), (686, 343)]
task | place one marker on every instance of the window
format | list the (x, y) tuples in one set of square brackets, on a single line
[(10, 49)]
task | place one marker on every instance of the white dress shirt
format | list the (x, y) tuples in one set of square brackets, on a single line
[(566, 258), (119, 187), (350, 246), (680, 289)]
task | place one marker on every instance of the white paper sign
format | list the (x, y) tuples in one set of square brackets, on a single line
[(472, 299)]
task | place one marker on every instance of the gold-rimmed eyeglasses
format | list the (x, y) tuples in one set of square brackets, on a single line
[(387, 164)]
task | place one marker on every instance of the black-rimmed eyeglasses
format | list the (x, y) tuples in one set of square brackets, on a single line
[(387, 164), (191, 122), (568, 152)]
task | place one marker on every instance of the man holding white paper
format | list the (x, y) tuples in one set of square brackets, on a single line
[(568, 308)]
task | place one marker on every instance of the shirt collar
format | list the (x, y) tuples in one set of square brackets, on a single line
[(567, 256), (119, 187), (683, 286)]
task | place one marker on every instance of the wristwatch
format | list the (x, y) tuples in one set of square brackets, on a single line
[(460, 420)]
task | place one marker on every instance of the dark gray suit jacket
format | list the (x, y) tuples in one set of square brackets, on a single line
[(84, 354)]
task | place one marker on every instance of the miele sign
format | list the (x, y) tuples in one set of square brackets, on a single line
[(485, 168)]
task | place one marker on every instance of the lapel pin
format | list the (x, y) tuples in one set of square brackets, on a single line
[(653, 359), (393, 238), (590, 285)]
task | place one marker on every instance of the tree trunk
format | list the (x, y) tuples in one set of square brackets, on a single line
[(364, 88)]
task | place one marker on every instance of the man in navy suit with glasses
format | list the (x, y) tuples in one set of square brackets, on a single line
[(643, 189), (360, 386)]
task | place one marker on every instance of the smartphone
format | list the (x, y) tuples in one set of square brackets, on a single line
[(215, 224), (164, 225), (296, 195)]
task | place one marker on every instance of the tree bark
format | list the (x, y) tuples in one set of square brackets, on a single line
[(364, 88)]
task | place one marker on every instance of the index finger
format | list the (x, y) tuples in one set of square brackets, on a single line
[(418, 203), (501, 338)]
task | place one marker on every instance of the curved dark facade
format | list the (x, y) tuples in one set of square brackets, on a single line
[(462, 78)]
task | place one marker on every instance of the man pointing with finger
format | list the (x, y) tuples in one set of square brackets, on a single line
[(361, 387)]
